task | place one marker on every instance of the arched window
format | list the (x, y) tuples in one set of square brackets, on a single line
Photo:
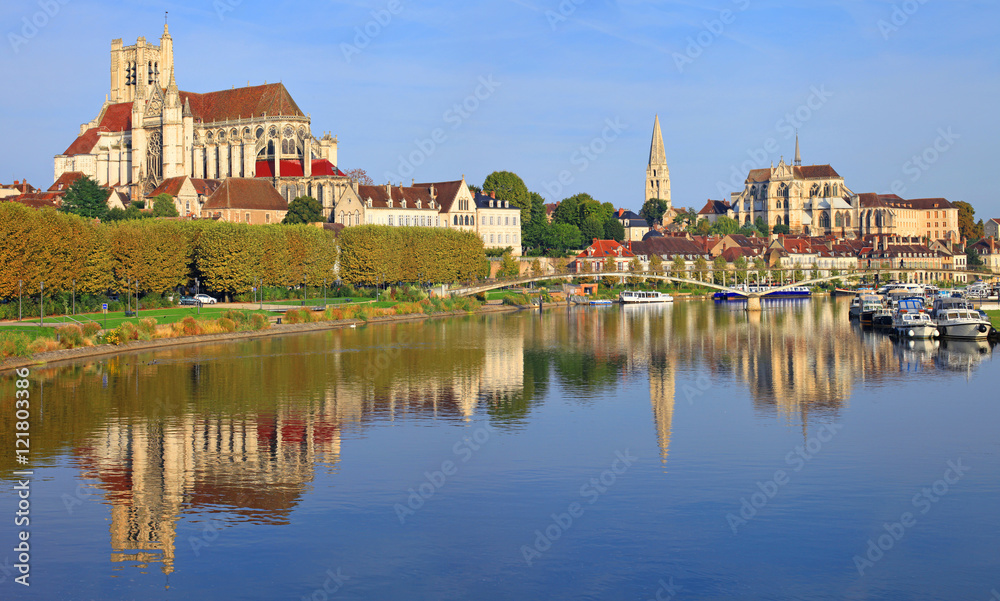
[(357, 217), (786, 203), (838, 220), (786, 220), (777, 221), (814, 191), (847, 220), (455, 220), (824, 220), (342, 219)]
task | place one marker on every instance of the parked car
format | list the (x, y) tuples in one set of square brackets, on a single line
[(205, 299), (189, 300)]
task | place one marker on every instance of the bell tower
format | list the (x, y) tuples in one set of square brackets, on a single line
[(657, 172)]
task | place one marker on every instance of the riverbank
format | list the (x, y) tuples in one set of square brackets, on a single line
[(86, 352)]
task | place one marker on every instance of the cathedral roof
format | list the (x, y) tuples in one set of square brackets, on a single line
[(252, 101), (84, 143), (117, 117), (65, 181), (293, 168), (245, 193), (172, 186), (807, 172)]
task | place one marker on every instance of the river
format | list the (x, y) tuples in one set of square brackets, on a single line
[(684, 452)]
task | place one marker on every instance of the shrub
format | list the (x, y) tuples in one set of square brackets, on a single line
[(147, 326), (70, 336), (240, 317), (42, 345), (190, 327), (259, 322), (227, 325), (292, 316), (90, 328), (14, 345), (127, 331)]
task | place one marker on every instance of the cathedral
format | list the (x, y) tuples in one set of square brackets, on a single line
[(148, 130), (657, 173)]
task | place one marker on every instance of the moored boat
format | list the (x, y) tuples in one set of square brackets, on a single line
[(962, 323), (644, 296), (910, 319), (773, 291)]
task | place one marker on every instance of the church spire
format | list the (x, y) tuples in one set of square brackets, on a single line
[(798, 156), (657, 172)]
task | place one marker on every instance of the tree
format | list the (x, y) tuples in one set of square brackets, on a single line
[(614, 230), (781, 228), (304, 209), (509, 267), (361, 176), (86, 199), (635, 266), (760, 267), (562, 237), (702, 227), (610, 266), (656, 264), (653, 209), (761, 226), (972, 257), (475, 189), (700, 266), (536, 267), (740, 264), (508, 186), (163, 206), (749, 230), (679, 268), (724, 226), (719, 265), (534, 231), (687, 218), (967, 226), (592, 228)]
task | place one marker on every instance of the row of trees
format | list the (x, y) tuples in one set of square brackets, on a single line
[(376, 254), (67, 251)]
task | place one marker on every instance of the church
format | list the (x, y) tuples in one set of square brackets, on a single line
[(148, 131)]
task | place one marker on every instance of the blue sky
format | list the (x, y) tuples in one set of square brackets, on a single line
[(870, 84)]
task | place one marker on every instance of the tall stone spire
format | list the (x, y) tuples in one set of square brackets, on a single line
[(798, 156), (657, 172)]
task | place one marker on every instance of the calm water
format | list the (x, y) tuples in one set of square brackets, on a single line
[(684, 452)]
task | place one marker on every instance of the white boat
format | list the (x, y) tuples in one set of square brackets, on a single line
[(870, 303), (642, 296), (962, 323), (601, 301), (910, 319)]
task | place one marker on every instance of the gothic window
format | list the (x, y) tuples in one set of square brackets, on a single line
[(154, 156), (455, 220), (288, 131), (272, 132), (847, 220), (824, 220), (814, 191), (222, 135), (150, 73), (838, 221), (826, 190), (209, 137), (834, 189), (777, 221), (260, 133), (786, 220)]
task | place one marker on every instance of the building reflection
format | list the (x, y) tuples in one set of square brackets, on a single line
[(239, 429)]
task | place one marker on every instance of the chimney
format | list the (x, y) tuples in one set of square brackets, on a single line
[(493, 193)]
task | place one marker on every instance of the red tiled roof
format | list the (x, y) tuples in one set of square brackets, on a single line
[(65, 181), (445, 192), (379, 196), (117, 117), (172, 186), (803, 172), (245, 193), (84, 143), (715, 207), (271, 99), (667, 245), (293, 168), (605, 248), (37, 200)]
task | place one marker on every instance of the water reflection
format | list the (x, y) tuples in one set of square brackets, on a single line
[(239, 429)]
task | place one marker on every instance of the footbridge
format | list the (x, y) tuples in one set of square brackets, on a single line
[(753, 298)]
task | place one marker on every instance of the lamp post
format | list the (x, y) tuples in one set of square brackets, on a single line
[(197, 302), (20, 290), (74, 296), (137, 299), (261, 294), (41, 304), (324, 292)]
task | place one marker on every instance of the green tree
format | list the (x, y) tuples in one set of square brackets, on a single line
[(653, 209), (719, 266), (781, 228), (163, 206), (304, 209), (679, 268), (509, 267), (741, 265), (972, 257), (967, 226), (702, 227), (749, 230), (508, 186), (533, 232), (614, 230), (761, 226), (563, 236), (656, 264), (536, 267), (635, 266), (724, 226), (700, 267), (610, 266), (86, 199), (760, 267), (591, 228)]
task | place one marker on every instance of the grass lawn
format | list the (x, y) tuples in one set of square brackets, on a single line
[(384, 304), (995, 318), (115, 318), (316, 302), (32, 331)]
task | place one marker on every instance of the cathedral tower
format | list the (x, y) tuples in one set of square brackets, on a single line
[(657, 172)]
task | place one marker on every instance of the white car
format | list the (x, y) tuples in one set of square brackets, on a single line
[(204, 299)]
